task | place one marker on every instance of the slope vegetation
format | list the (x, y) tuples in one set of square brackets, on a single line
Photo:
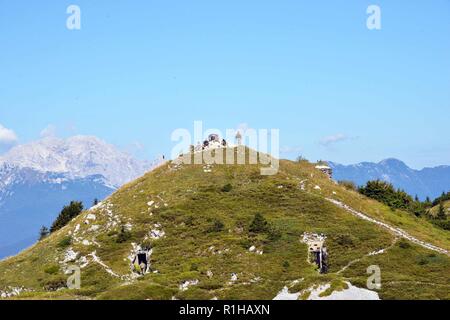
[(194, 221)]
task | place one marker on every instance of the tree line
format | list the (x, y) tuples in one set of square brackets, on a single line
[(68, 212), (386, 193)]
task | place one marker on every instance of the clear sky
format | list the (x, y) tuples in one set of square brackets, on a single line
[(137, 70)]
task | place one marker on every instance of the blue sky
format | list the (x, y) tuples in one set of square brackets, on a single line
[(137, 70)]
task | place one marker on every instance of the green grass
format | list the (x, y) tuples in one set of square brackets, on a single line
[(407, 272), (207, 229)]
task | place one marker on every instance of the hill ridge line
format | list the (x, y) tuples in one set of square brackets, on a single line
[(394, 230)]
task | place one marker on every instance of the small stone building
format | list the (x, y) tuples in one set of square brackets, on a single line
[(317, 251), (325, 169)]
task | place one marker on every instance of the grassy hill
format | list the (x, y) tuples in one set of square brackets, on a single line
[(196, 219)]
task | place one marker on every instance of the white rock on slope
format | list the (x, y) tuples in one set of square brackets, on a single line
[(186, 284), (351, 293)]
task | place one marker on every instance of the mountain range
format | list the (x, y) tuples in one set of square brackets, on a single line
[(37, 179), (428, 182), (78, 156)]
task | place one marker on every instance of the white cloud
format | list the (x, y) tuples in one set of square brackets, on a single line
[(7, 136), (330, 140), (49, 131)]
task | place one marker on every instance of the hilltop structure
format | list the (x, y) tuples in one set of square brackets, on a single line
[(238, 138), (325, 169), (317, 251), (213, 142)]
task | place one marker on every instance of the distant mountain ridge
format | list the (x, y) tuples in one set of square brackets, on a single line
[(429, 182), (30, 199), (78, 156), (37, 179)]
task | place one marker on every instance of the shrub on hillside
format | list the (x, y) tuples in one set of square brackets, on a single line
[(441, 214), (227, 188), (123, 236), (385, 193), (217, 226), (443, 224), (66, 215), (65, 242), (417, 208), (259, 224)]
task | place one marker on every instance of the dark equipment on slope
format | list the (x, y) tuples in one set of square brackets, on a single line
[(140, 262), (319, 255)]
